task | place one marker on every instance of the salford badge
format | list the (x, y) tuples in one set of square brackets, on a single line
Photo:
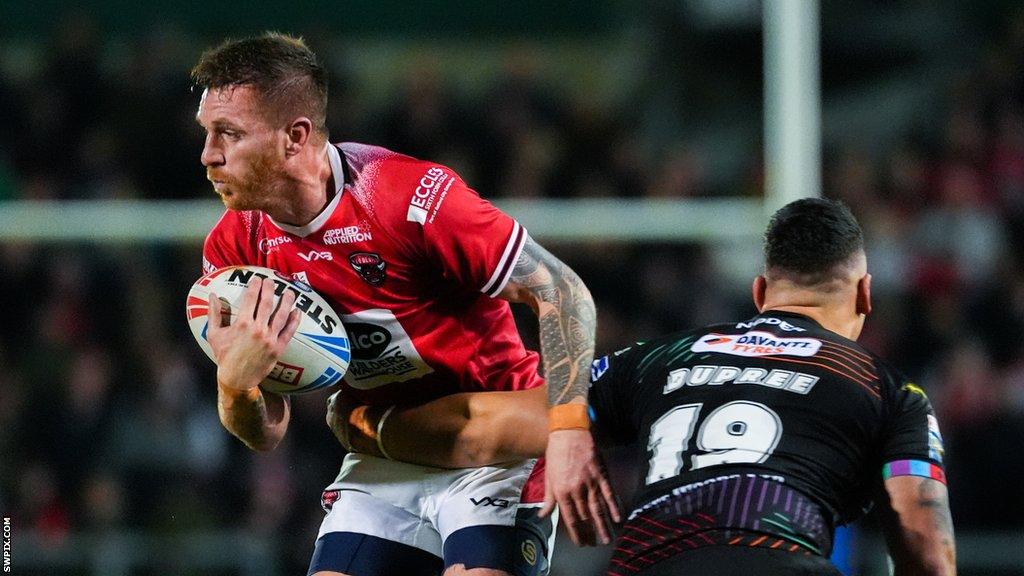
[(371, 267)]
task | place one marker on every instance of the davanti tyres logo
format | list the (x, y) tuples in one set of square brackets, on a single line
[(756, 343)]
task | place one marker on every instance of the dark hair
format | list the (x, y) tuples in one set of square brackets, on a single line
[(284, 71), (811, 238)]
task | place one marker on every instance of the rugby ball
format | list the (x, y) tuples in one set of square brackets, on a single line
[(319, 353)]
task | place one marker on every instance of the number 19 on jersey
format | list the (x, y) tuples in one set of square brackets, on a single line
[(734, 433)]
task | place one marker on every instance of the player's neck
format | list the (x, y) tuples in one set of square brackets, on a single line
[(308, 189), (831, 318)]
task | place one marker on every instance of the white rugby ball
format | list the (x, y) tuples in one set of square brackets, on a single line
[(318, 354)]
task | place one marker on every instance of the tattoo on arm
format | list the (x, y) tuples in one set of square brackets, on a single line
[(567, 318), (254, 422), (932, 497)]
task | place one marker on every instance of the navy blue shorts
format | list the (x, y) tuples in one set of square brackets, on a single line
[(520, 550)]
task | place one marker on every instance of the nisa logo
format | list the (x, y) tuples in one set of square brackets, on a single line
[(488, 501), (268, 245), (756, 343), (313, 256)]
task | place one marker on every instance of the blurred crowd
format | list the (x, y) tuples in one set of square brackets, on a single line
[(107, 414)]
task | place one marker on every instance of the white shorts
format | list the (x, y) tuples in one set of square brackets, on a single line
[(422, 506)]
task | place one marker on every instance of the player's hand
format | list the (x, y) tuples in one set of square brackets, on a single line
[(247, 350), (577, 483)]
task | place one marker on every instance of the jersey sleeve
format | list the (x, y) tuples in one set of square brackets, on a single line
[(608, 408), (474, 243), (227, 242), (912, 444)]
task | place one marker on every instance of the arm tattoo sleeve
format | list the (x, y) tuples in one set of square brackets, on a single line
[(567, 318)]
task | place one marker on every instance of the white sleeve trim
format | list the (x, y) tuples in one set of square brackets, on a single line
[(503, 269)]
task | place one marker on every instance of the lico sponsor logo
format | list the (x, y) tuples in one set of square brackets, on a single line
[(756, 343), (426, 195), (782, 324), (704, 375), (382, 350), (346, 235), (207, 266), (314, 255), (266, 245)]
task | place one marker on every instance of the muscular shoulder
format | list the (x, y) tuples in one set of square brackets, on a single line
[(398, 191), (232, 239)]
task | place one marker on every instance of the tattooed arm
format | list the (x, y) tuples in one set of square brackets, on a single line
[(575, 479), (256, 418), (568, 320), (918, 526)]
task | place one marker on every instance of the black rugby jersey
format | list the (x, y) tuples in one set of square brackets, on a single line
[(773, 427)]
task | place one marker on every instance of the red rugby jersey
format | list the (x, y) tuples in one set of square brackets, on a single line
[(410, 258)]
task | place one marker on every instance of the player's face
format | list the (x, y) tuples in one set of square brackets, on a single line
[(241, 154)]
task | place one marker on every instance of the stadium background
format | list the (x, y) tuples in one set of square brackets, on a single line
[(112, 461)]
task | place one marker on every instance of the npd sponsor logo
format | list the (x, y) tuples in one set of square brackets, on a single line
[(756, 343)]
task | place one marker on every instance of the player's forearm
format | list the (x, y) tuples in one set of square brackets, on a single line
[(458, 431), (567, 318), (257, 419), (921, 530)]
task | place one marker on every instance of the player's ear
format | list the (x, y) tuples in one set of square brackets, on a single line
[(758, 290), (299, 132), (864, 295)]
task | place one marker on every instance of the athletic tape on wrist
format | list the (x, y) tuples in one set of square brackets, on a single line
[(380, 432), (568, 417)]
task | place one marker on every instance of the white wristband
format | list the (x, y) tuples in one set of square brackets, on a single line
[(380, 430)]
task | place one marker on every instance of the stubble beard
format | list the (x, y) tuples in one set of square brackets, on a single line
[(260, 189)]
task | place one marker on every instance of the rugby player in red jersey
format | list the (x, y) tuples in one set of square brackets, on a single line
[(422, 271)]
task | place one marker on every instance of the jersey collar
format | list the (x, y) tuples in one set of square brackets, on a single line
[(339, 171)]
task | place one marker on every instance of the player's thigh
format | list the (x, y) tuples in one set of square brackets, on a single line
[(521, 549), (485, 526), (365, 536)]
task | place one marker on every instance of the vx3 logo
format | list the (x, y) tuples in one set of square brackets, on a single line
[(488, 501), (313, 256)]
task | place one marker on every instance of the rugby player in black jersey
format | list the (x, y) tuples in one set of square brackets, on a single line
[(757, 438)]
